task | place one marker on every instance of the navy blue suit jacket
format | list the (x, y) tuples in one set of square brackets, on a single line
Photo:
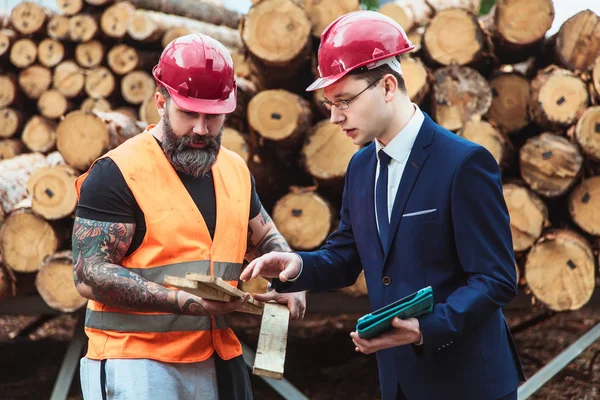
[(463, 250)]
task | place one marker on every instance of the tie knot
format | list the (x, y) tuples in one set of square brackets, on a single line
[(384, 158)]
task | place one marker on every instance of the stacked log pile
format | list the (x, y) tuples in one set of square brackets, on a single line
[(76, 84)]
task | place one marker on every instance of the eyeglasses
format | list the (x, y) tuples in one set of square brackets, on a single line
[(344, 104)]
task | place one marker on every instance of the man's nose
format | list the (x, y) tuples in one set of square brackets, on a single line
[(336, 116), (200, 127)]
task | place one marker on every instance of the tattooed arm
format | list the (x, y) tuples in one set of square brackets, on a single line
[(263, 237), (99, 247)]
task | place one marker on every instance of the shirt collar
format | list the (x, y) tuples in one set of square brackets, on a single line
[(400, 146)]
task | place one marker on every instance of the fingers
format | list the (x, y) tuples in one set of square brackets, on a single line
[(247, 272), (398, 323), (266, 297), (294, 308)]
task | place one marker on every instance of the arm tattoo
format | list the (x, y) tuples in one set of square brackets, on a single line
[(265, 218), (98, 248), (272, 242)]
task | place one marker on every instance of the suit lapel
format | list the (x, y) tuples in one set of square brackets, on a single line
[(414, 165), (368, 198)]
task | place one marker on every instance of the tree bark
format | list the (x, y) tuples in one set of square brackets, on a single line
[(16, 172), (459, 95), (560, 270), (195, 9), (54, 282), (120, 125), (596, 78), (558, 98), (578, 41), (550, 164), (303, 218), (39, 134), (528, 215)]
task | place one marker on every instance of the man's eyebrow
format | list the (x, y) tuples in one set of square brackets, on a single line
[(337, 96)]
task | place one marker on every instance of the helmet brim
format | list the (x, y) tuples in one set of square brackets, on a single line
[(321, 83), (204, 106)]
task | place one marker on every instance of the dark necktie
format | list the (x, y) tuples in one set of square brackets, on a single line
[(382, 197)]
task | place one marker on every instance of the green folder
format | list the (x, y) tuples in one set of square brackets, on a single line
[(380, 321)]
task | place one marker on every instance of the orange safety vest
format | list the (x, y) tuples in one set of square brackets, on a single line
[(177, 241)]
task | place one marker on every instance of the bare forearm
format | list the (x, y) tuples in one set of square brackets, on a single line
[(116, 286), (273, 241)]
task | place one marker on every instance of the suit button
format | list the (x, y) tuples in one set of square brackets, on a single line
[(386, 280)]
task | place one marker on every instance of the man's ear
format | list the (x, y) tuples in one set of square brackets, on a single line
[(390, 85), (161, 103)]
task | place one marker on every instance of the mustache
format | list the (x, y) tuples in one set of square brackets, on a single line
[(208, 141)]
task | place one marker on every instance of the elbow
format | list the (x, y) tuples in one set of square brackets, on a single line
[(84, 290)]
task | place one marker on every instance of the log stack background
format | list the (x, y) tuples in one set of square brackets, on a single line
[(74, 85)]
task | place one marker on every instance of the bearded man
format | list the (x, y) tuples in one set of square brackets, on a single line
[(169, 201)]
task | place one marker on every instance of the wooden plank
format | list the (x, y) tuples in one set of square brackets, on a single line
[(219, 284), (209, 292), (272, 341), (193, 287)]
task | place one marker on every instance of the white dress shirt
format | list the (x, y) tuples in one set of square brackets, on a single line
[(398, 149)]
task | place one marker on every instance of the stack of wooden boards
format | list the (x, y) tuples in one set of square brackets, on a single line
[(78, 83)]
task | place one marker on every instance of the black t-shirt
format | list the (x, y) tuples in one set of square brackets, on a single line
[(106, 197)]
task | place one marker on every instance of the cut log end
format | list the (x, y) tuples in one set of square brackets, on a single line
[(81, 138), (587, 133), (596, 77), (558, 97), (7, 38), (279, 115), (560, 270), (69, 79), (276, 32), (100, 83), (322, 13), (234, 141), (550, 164), (23, 53), (304, 219), (122, 59), (20, 230), (454, 37), (54, 282), (148, 111), (115, 19), (523, 22), (39, 134), (82, 28), (460, 94), (528, 215), (8, 90), (52, 104), (11, 121), (578, 41), (416, 77), (58, 28), (69, 7), (90, 104), (327, 151), (53, 191), (486, 135), (10, 148), (90, 54), (28, 17), (510, 96), (137, 86), (50, 52), (584, 203), (35, 80)]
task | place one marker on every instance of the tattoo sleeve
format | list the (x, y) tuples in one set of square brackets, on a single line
[(266, 237), (98, 248)]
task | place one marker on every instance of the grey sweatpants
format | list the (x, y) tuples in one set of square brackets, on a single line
[(140, 379)]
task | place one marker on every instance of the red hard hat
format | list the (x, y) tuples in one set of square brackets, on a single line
[(197, 71), (360, 38)]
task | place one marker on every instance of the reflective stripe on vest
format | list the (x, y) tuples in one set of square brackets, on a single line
[(226, 270)]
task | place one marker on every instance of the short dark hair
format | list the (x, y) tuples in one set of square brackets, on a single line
[(163, 90), (373, 75)]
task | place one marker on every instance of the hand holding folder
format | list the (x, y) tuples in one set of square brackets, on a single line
[(380, 321)]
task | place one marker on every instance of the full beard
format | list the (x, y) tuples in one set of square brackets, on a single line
[(188, 160)]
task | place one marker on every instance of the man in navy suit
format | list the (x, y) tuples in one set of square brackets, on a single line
[(421, 207)]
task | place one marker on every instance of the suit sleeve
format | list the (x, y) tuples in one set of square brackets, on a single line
[(336, 264), (484, 246)]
